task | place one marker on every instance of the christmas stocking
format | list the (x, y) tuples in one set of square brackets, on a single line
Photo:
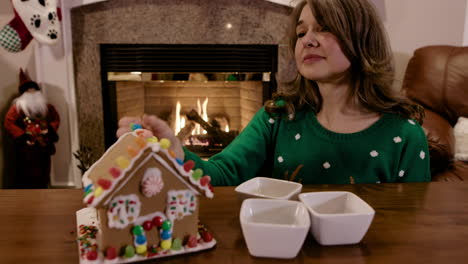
[(39, 19)]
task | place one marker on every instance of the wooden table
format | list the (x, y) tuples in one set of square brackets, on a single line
[(414, 223)]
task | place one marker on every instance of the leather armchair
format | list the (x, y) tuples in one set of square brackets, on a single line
[(437, 79)]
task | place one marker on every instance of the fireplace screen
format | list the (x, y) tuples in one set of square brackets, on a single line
[(205, 110)]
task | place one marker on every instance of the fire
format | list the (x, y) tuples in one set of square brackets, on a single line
[(180, 121)]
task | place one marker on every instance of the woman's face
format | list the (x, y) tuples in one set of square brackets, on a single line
[(318, 54)]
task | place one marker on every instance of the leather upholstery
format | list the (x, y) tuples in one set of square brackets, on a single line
[(437, 79)]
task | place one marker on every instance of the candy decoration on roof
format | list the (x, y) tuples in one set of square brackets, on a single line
[(122, 162), (188, 165), (165, 143)]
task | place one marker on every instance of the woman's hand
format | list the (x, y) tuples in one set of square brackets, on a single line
[(157, 126)]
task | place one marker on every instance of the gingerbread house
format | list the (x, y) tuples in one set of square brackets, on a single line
[(142, 202)]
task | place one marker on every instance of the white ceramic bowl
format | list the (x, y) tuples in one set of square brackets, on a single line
[(261, 187), (337, 218), (274, 228)]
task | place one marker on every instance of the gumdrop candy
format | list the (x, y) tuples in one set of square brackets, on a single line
[(141, 249), (147, 225), (92, 255), (165, 143), (105, 184), (189, 165), (129, 251), (192, 241), (207, 236), (111, 253), (166, 244), (157, 221), (137, 230), (122, 162), (205, 180), (196, 175), (165, 235), (176, 244), (166, 225), (140, 240), (114, 172)]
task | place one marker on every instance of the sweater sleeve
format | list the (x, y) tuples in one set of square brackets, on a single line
[(243, 158), (414, 162)]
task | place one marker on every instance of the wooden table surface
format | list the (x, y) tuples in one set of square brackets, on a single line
[(414, 223)]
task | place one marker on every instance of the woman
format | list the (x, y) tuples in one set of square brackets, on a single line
[(339, 121)]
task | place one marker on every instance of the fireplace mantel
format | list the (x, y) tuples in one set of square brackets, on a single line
[(55, 72)]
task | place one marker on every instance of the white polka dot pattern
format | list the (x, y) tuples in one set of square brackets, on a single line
[(411, 122), (271, 120), (374, 153), (280, 159), (326, 165), (298, 136), (401, 173), (422, 154), (397, 140)]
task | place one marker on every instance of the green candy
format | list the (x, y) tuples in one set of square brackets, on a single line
[(176, 244), (129, 251), (137, 230), (166, 225), (197, 174)]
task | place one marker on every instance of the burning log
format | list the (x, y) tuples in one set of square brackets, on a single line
[(186, 131), (218, 135)]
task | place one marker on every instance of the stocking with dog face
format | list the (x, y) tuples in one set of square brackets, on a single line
[(38, 19)]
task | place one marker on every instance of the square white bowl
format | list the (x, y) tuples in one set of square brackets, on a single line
[(274, 228), (262, 187), (337, 218)]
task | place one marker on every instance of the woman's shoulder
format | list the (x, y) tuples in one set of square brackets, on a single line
[(405, 126)]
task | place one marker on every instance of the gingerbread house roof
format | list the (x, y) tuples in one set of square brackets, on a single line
[(111, 172)]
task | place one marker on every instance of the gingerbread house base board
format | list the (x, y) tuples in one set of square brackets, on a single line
[(88, 228)]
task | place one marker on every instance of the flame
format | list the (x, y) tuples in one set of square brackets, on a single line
[(178, 125), (180, 121)]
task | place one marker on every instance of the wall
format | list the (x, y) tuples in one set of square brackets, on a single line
[(415, 23), (9, 71)]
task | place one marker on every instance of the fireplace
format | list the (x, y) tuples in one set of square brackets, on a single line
[(206, 93)]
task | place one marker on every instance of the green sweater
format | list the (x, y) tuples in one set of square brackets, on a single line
[(393, 149)]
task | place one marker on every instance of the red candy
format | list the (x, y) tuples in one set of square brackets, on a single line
[(189, 165), (207, 236), (91, 255), (205, 180), (157, 221), (147, 225), (192, 242), (111, 253), (114, 172), (105, 184), (91, 199)]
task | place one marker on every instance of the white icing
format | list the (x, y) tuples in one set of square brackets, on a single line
[(123, 210), (180, 204), (152, 182)]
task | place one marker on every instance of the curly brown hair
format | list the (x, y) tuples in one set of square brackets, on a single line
[(364, 42)]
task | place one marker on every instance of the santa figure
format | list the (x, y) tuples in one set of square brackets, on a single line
[(33, 124)]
